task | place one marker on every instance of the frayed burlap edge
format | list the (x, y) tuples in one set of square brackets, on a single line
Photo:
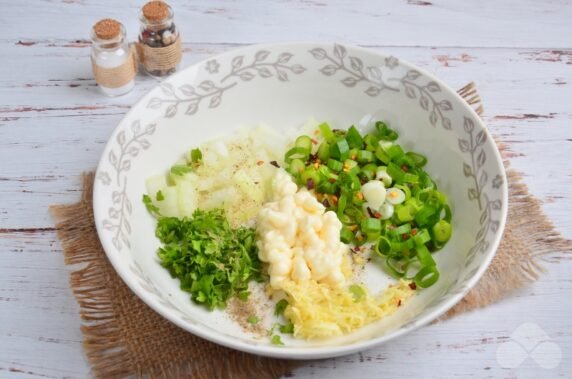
[(115, 348), (118, 339)]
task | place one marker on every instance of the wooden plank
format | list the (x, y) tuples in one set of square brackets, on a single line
[(525, 23)]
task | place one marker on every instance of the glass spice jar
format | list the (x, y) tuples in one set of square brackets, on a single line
[(113, 63), (159, 42)]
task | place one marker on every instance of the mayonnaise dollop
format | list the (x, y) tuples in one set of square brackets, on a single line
[(299, 239)]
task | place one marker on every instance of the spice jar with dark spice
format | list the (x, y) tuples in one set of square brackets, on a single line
[(159, 40)]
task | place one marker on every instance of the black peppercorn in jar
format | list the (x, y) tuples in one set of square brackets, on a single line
[(159, 40)]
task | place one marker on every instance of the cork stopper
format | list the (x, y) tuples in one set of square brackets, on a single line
[(107, 29), (156, 10)]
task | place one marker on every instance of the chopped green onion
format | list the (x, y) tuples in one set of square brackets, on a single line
[(159, 196), (296, 153), (364, 156), (384, 132), (296, 167), (383, 246), (371, 225), (442, 231), (418, 159), (382, 155), (327, 132), (340, 150), (405, 212), (427, 276), (304, 142), (355, 141), (324, 151), (422, 237), (394, 151), (335, 165), (346, 235)]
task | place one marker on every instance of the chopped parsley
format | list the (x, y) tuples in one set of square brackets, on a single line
[(280, 307), (252, 320), (160, 196), (151, 208), (181, 169), (196, 155), (212, 260), (276, 340), (357, 291), (287, 328)]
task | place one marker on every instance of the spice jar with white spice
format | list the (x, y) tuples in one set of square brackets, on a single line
[(159, 46), (113, 62)]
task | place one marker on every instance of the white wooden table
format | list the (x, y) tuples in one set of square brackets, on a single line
[(54, 124)]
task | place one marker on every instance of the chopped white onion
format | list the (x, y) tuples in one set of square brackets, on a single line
[(395, 196), (374, 193)]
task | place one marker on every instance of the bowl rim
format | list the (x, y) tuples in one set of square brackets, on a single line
[(302, 353)]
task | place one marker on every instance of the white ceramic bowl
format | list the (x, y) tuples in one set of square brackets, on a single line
[(283, 85)]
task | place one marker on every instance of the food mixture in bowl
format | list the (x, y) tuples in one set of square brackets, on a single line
[(301, 217)]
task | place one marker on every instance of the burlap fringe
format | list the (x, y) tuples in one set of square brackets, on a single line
[(104, 337)]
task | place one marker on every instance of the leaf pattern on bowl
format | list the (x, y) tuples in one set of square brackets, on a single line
[(340, 61), (191, 96)]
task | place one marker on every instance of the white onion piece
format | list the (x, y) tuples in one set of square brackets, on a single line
[(374, 193), (384, 177), (386, 211), (395, 196)]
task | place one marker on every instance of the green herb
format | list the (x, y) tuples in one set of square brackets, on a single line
[(287, 328), (196, 155), (160, 196), (180, 170), (212, 260), (357, 291), (151, 208), (277, 340), (252, 320), (280, 307)]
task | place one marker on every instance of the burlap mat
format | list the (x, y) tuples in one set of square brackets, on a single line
[(123, 337)]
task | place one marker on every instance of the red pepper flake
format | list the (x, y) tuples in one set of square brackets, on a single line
[(404, 168), (370, 212), (413, 286), (260, 163), (332, 180), (405, 237), (335, 199), (310, 184), (377, 215), (314, 141), (414, 232), (399, 303)]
